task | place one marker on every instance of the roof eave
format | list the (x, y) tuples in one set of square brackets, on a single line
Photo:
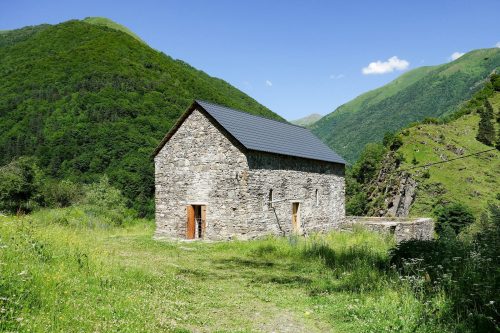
[(301, 157)]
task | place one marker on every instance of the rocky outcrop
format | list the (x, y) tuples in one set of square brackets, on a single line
[(393, 192), (402, 200)]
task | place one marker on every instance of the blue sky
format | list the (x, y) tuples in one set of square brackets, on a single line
[(295, 57)]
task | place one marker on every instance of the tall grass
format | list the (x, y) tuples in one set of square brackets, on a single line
[(71, 270)]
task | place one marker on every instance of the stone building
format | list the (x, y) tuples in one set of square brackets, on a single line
[(223, 174)]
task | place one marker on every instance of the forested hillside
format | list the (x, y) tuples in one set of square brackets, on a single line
[(423, 92), (88, 99), (465, 168)]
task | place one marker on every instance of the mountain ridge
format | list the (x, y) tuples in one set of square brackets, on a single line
[(430, 91)]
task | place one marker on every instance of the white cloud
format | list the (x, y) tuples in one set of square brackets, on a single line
[(392, 64), (456, 55), (269, 83), (497, 45), (336, 76)]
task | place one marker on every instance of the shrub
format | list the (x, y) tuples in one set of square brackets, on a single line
[(392, 141), (495, 81), (357, 204), (368, 163), (387, 140), (60, 193), (456, 216), (102, 199), (20, 186), (465, 271), (431, 120)]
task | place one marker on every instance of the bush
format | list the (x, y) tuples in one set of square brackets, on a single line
[(392, 141), (431, 120), (456, 216), (20, 186), (495, 81), (467, 272), (357, 204), (368, 163), (60, 193), (102, 199)]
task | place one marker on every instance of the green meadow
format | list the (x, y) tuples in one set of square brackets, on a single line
[(62, 270)]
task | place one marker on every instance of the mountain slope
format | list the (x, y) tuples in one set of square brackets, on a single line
[(307, 120), (88, 100), (473, 181), (431, 164), (424, 92)]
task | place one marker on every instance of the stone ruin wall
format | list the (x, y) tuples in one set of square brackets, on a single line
[(403, 229)]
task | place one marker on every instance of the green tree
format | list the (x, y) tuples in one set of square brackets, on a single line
[(368, 163), (87, 100), (486, 131), (20, 186), (495, 81), (455, 216)]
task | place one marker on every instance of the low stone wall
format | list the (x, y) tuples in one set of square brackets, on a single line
[(402, 228)]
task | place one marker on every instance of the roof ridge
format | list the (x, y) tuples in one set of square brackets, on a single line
[(286, 122)]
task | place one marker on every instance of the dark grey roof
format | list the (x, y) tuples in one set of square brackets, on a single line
[(272, 136)]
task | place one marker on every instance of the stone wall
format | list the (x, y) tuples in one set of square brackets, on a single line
[(402, 228), (202, 164), (317, 186)]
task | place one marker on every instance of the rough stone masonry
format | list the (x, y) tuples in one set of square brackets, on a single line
[(246, 193)]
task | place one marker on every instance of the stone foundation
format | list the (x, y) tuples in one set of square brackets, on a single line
[(402, 228)]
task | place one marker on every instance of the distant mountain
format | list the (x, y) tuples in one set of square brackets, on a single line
[(308, 120), (431, 91), (89, 98)]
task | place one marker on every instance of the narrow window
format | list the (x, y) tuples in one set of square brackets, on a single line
[(270, 199), (317, 197)]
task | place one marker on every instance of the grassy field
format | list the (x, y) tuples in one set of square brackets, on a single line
[(60, 275), (473, 181)]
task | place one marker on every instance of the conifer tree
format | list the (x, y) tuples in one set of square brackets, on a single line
[(486, 131)]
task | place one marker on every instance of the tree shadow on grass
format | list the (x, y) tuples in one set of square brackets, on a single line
[(355, 268)]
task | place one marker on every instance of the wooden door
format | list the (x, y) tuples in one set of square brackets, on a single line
[(295, 217), (190, 225)]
